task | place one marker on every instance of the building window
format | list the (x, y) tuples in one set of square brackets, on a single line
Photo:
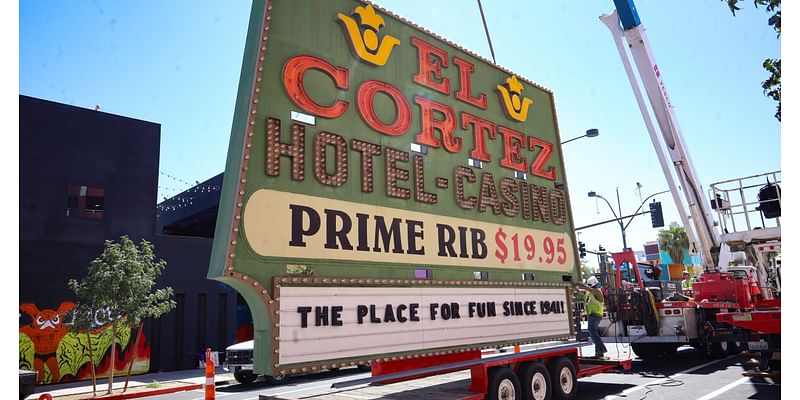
[(85, 201)]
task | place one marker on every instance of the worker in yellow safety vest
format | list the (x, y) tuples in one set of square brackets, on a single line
[(594, 312), (686, 283)]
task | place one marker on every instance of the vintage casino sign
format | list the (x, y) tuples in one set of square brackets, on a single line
[(388, 193)]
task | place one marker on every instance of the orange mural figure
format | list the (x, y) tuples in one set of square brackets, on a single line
[(46, 332)]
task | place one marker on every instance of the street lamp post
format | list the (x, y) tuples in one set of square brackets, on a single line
[(589, 133), (618, 218)]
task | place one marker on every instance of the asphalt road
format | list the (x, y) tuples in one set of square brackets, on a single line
[(685, 376)]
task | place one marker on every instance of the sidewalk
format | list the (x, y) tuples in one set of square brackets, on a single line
[(168, 382)]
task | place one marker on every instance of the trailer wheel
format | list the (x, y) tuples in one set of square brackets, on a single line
[(503, 385), (565, 383), (535, 381)]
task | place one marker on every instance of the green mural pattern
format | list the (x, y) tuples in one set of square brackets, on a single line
[(73, 351), (26, 352)]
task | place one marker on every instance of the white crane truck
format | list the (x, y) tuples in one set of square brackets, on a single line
[(720, 313)]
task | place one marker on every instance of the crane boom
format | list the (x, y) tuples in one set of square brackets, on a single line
[(692, 204)]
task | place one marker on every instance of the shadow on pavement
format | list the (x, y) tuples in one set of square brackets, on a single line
[(236, 387), (598, 390), (682, 360)]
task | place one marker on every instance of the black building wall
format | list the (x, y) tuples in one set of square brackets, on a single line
[(206, 314), (63, 146)]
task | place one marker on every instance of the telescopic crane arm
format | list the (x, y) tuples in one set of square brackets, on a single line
[(691, 202)]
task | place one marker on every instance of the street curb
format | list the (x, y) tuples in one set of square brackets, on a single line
[(148, 393), (154, 392)]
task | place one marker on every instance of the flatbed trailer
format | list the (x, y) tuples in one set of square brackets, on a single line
[(533, 372)]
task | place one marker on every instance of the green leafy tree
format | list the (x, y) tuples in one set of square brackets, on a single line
[(772, 85), (120, 284), (674, 241)]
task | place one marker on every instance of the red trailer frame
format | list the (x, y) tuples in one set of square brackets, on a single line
[(483, 365)]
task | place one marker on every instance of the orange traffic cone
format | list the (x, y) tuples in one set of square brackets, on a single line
[(211, 391), (516, 348)]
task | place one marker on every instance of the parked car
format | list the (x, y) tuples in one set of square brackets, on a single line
[(239, 360), (27, 380)]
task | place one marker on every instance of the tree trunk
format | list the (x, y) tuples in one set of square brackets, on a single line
[(113, 350), (677, 255), (91, 361), (133, 355)]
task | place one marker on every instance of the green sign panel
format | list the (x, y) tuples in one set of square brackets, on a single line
[(368, 154)]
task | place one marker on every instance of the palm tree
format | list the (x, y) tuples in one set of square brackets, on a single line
[(674, 241)]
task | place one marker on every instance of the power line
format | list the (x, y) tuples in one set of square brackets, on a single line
[(486, 29)]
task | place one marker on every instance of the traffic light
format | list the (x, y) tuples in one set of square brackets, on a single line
[(656, 217), (582, 249), (601, 249)]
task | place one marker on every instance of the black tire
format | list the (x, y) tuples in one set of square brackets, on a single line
[(669, 349), (503, 385), (734, 348), (646, 351), (642, 350), (535, 381), (700, 347), (276, 380), (774, 365), (717, 349), (245, 376), (564, 379)]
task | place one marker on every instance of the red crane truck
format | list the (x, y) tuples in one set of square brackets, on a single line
[(730, 304)]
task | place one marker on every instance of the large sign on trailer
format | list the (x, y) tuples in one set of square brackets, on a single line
[(375, 166), (318, 323)]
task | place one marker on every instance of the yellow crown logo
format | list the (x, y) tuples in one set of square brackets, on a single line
[(369, 17), (515, 105), (363, 35)]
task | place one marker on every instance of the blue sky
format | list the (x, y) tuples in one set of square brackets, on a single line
[(177, 63)]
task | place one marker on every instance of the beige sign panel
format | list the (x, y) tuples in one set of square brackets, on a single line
[(282, 224), (330, 323)]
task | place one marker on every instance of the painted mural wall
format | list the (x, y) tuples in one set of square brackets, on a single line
[(48, 346)]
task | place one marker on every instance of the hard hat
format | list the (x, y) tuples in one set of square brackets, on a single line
[(591, 281), (686, 272)]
